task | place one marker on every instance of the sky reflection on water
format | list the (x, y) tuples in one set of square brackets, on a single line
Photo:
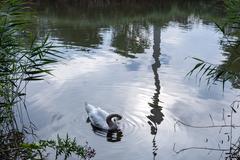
[(141, 75)]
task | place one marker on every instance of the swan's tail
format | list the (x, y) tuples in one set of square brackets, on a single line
[(89, 108)]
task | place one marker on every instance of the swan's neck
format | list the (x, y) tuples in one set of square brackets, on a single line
[(111, 124)]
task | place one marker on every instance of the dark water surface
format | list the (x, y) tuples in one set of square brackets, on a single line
[(131, 59)]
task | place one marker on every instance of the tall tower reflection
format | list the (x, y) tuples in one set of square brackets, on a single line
[(156, 116)]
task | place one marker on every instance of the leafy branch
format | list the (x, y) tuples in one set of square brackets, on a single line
[(212, 73)]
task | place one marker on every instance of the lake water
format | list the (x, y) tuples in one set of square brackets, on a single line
[(132, 60)]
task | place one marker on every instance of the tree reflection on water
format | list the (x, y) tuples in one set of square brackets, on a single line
[(156, 116), (129, 39)]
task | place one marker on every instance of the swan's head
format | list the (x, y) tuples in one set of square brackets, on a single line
[(116, 117), (112, 121)]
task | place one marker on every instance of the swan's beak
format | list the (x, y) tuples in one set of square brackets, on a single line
[(115, 119), (119, 117)]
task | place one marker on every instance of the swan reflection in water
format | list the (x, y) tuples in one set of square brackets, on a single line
[(111, 136)]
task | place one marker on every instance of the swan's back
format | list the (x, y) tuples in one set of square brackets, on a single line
[(97, 116)]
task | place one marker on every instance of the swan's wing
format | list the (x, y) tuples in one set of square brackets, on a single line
[(102, 113), (97, 120)]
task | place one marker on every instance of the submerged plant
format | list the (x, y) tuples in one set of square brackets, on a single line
[(228, 146)]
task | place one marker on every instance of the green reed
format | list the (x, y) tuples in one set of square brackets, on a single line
[(25, 58), (229, 70)]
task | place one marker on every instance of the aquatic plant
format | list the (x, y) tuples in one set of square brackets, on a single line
[(231, 148)]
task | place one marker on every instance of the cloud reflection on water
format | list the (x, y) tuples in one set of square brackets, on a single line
[(127, 86)]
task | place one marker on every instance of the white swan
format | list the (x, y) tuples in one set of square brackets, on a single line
[(101, 119)]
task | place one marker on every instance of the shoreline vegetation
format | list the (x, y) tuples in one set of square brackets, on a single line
[(25, 58), (228, 71)]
